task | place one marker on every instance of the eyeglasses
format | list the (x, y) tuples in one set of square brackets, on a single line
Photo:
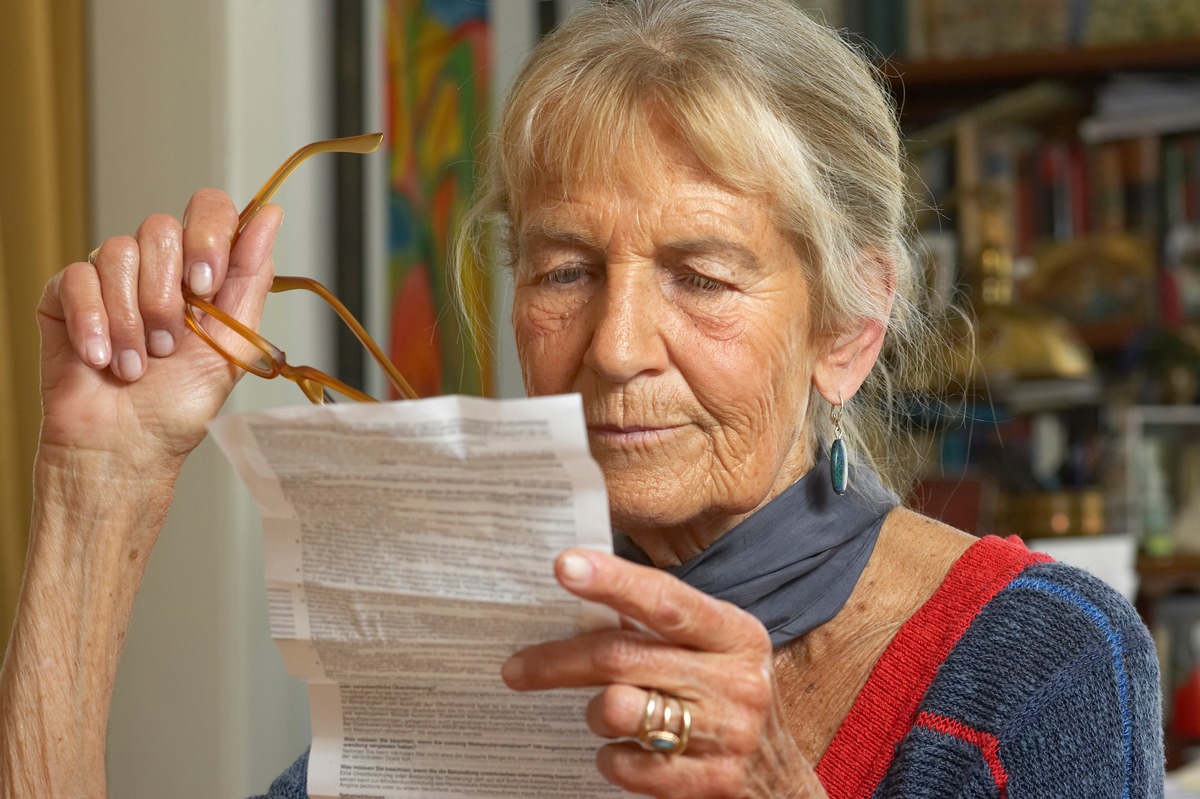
[(271, 361)]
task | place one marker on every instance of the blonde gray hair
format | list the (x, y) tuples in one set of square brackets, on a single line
[(772, 103)]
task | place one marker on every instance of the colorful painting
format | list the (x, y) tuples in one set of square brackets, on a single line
[(438, 88)]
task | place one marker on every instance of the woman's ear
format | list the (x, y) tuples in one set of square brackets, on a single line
[(852, 353), (840, 372)]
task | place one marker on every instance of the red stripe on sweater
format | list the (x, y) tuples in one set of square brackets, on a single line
[(884, 712), (987, 743)]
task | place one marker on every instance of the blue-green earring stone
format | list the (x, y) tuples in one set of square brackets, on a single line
[(838, 472)]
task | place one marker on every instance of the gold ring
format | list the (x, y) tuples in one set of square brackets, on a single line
[(664, 739)]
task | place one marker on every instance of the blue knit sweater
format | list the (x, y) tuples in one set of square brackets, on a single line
[(1019, 678)]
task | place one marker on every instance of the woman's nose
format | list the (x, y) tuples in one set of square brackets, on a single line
[(627, 330)]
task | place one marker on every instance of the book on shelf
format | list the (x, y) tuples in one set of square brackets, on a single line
[(978, 28), (1130, 94), (1181, 246), (1107, 23)]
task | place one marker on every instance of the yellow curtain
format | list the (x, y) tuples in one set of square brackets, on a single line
[(43, 227)]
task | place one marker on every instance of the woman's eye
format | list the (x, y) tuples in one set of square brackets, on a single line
[(564, 275), (701, 283)]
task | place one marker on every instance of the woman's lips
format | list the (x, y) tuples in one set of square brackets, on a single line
[(630, 434)]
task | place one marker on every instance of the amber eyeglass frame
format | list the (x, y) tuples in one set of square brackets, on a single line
[(272, 362)]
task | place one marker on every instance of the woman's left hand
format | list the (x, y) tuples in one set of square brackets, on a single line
[(710, 654)]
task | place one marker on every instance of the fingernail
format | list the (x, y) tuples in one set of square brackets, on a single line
[(129, 364), (513, 669), (160, 343), (200, 278), (97, 351), (576, 569)]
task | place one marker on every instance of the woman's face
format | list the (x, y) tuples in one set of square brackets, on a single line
[(678, 310)]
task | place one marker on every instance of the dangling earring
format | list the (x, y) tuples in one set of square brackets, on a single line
[(839, 470)]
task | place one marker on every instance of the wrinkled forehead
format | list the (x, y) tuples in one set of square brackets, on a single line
[(569, 144)]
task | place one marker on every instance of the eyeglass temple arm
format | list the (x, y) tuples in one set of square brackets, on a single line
[(362, 144), (286, 283)]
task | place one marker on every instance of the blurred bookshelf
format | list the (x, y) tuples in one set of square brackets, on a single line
[(952, 31), (1075, 63), (1055, 152), (926, 89)]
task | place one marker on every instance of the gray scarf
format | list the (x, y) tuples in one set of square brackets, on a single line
[(793, 563)]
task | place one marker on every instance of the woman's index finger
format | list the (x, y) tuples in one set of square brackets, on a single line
[(662, 603), (209, 229)]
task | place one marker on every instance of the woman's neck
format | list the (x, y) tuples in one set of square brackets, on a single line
[(820, 674)]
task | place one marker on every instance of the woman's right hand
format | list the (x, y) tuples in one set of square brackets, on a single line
[(122, 374)]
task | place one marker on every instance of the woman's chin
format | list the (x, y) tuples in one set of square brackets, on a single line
[(664, 510)]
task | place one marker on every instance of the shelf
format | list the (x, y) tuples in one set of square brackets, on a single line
[(1161, 576), (1016, 67)]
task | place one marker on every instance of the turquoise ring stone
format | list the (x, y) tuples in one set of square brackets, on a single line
[(664, 741)]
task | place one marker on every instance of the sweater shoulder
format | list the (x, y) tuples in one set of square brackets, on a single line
[(1045, 620), (1045, 617), (1066, 589), (1053, 689)]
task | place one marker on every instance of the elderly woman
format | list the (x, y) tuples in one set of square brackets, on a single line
[(703, 206)]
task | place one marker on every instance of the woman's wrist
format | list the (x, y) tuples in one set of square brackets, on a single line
[(94, 525), (67, 465)]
